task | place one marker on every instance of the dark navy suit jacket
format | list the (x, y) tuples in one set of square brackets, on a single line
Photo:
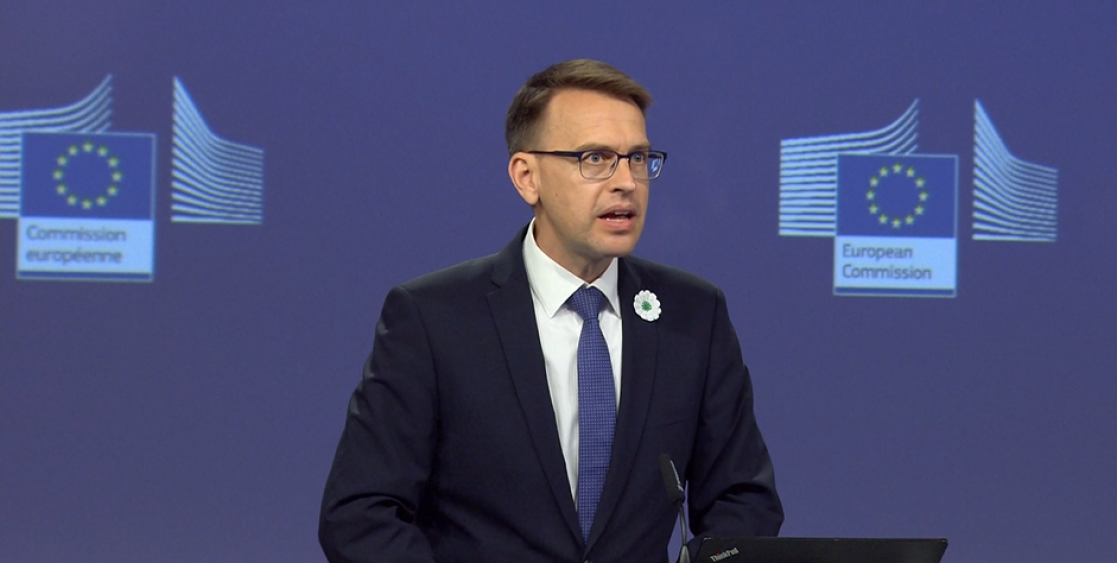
[(450, 451)]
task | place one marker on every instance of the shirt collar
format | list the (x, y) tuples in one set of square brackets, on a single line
[(552, 285)]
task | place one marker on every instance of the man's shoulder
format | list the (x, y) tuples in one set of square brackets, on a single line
[(471, 276)]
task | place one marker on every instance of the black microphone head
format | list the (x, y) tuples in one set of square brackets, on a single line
[(675, 491)]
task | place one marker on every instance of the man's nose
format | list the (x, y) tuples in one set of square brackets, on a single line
[(622, 176)]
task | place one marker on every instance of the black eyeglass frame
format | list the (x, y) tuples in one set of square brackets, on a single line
[(581, 154)]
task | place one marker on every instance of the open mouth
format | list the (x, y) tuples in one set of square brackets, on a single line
[(617, 216)]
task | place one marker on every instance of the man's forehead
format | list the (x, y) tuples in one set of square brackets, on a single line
[(578, 115)]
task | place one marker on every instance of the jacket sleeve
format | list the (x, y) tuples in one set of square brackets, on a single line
[(377, 483), (732, 490)]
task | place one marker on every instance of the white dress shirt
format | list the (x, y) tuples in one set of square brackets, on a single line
[(559, 329)]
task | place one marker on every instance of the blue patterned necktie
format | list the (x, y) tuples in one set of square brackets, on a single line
[(597, 405)]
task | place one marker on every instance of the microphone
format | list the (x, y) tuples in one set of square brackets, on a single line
[(675, 493)]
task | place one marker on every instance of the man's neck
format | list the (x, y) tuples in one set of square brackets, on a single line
[(587, 271)]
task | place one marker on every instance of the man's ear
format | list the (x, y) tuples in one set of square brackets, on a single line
[(522, 171)]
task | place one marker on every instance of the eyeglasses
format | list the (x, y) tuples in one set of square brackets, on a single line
[(600, 164)]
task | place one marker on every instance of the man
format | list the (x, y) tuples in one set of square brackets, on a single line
[(515, 407)]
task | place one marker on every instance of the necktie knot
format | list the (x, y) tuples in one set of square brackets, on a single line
[(587, 302)]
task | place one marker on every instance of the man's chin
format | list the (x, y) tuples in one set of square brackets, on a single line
[(611, 235)]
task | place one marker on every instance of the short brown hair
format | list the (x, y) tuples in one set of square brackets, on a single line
[(531, 101)]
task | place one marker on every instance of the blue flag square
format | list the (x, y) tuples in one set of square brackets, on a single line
[(88, 175), (898, 195)]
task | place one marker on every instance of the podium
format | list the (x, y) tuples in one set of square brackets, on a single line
[(820, 550)]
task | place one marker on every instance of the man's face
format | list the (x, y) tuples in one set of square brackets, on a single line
[(583, 224)]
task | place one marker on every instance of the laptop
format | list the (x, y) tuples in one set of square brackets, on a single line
[(820, 550)]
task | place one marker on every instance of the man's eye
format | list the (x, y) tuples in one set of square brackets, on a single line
[(594, 158), (638, 158)]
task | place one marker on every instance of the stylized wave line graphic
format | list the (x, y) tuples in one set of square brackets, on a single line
[(91, 114), (809, 171), (213, 180), (1013, 199)]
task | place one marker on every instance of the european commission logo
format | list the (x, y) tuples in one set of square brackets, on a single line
[(897, 225), (893, 212), (87, 207), (85, 196)]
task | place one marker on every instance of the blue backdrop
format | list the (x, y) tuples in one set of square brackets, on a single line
[(193, 418)]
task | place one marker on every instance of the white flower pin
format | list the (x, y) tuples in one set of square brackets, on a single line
[(647, 306)]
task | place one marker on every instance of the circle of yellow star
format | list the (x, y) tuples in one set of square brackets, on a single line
[(83, 150), (896, 221)]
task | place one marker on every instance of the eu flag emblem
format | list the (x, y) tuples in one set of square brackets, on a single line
[(88, 175), (898, 195)]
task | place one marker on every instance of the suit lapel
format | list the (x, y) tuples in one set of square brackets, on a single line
[(514, 314), (640, 339)]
